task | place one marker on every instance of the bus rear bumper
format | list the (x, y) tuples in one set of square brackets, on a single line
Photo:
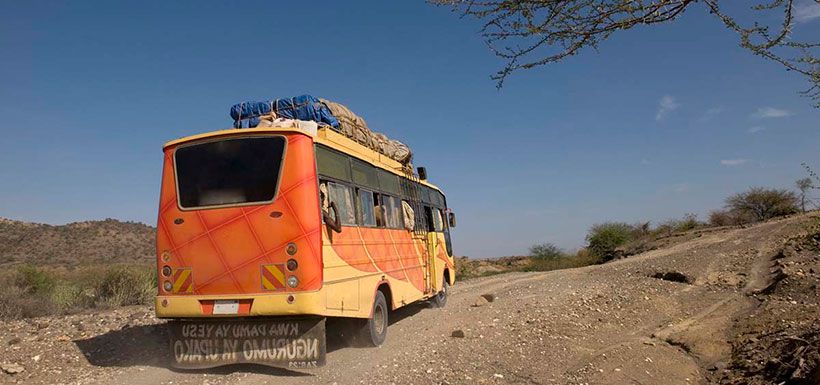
[(195, 306)]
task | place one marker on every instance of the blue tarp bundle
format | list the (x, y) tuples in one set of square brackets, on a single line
[(303, 107)]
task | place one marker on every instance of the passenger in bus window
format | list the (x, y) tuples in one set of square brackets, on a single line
[(378, 209), (330, 211)]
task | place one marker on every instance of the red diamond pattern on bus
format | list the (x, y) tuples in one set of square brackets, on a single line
[(228, 244)]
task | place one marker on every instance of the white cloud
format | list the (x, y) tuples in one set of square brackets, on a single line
[(666, 105), (806, 10), (711, 113), (771, 112), (755, 129), (733, 162)]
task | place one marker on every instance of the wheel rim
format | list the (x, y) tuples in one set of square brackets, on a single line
[(379, 318), (442, 295)]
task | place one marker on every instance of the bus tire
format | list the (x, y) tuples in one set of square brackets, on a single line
[(373, 331), (440, 299)]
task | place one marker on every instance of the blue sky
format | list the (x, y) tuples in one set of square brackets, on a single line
[(658, 122)]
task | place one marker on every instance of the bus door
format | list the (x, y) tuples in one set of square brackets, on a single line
[(432, 251), (431, 240)]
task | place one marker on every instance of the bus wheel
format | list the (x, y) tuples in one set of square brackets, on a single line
[(440, 300), (373, 332)]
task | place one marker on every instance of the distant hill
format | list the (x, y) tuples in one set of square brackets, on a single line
[(76, 244)]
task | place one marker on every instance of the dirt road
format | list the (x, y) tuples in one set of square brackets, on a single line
[(663, 317)]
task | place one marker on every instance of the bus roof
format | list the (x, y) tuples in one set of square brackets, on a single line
[(325, 136)]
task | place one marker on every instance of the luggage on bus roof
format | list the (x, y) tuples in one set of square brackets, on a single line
[(355, 127), (323, 112), (303, 107)]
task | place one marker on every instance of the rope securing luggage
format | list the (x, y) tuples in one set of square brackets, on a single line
[(303, 107), (325, 113)]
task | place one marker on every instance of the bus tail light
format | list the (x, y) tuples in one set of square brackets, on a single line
[(293, 281), (292, 264), (168, 286)]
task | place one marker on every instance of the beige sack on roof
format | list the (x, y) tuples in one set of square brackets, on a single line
[(354, 127), (399, 151), (381, 141), (350, 124)]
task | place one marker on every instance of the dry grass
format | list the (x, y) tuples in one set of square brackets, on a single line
[(32, 292), (472, 268), (582, 257)]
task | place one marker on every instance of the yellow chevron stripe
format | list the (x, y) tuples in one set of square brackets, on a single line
[(182, 277), (276, 273), (267, 284)]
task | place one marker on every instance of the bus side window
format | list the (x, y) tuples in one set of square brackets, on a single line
[(392, 212), (367, 215), (428, 218), (341, 195), (447, 241), (438, 222)]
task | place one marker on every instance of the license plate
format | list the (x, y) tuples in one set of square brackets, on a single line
[(296, 343), (226, 307)]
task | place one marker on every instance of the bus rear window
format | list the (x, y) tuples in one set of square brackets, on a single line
[(229, 172)]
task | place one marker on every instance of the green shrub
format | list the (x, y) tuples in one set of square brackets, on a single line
[(719, 218), (688, 222), (760, 204), (25, 293), (69, 297), (15, 303), (581, 258), (32, 292), (32, 280), (604, 238), (123, 286), (546, 251)]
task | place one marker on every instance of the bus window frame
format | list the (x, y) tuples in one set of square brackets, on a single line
[(339, 153), (426, 192), (351, 189), (360, 213), (220, 139), (400, 225)]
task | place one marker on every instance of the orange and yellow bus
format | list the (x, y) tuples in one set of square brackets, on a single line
[(263, 233)]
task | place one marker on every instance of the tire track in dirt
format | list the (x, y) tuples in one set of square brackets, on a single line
[(606, 324)]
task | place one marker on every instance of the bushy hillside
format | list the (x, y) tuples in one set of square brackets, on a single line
[(75, 244)]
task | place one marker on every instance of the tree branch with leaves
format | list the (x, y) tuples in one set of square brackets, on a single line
[(534, 33)]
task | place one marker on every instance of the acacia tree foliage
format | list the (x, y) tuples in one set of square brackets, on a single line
[(604, 238), (533, 33), (546, 251), (804, 185), (762, 203)]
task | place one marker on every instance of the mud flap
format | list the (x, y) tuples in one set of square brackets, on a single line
[(294, 343)]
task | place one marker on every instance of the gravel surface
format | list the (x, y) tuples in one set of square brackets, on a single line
[(669, 316)]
